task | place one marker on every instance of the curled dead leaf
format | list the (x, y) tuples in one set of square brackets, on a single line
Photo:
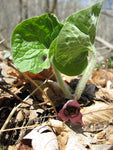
[(97, 113), (45, 74)]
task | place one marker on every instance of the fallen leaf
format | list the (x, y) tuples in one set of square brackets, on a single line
[(101, 147), (42, 138), (70, 139), (77, 142), (105, 94), (50, 89), (97, 113), (33, 113), (101, 135), (109, 134), (62, 140), (22, 114), (100, 77), (7, 78), (26, 111), (45, 74), (110, 138), (12, 147)]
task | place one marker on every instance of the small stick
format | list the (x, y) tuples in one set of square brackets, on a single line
[(38, 87), (15, 108), (2, 41), (12, 113), (41, 91), (19, 128), (18, 98)]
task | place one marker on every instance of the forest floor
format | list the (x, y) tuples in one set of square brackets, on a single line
[(25, 103)]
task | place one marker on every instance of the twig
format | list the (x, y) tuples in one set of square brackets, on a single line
[(53, 6), (41, 91), (18, 98), (2, 41), (15, 108), (22, 132), (19, 128), (107, 44), (7, 120), (12, 112), (101, 48)]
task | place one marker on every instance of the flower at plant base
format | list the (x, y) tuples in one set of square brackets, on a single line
[(71, 111)]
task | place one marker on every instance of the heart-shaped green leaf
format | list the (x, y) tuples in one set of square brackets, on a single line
[(30, 42), (75, 39), (70, 56)]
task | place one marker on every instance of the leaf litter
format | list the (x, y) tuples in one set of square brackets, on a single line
[(97, 132)]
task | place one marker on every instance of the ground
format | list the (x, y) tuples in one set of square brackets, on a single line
[(28, 101)]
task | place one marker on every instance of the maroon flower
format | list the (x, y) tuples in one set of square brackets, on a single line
[(71, 111)]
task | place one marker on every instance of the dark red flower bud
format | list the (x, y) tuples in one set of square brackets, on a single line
[(71, 111)]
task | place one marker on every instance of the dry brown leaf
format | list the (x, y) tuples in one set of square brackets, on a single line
[(12, 147), (61, 131), (50, 89), (101, 135), (7, 78), (105, 135), (97, 113), (109, 134), (45, 74), (62, 140), (25, 111), (105, 93), (71, 140), (100, 77)]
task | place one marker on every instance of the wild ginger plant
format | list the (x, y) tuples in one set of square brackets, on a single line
[(38, 42)]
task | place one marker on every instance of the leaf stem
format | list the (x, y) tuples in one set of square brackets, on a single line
[(87, 73), (61, 83)]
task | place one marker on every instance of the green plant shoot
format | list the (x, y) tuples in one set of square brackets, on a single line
[(38, 41)]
